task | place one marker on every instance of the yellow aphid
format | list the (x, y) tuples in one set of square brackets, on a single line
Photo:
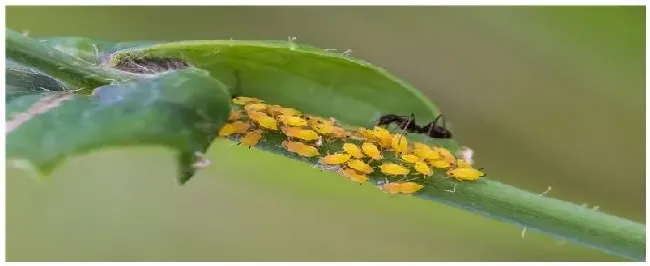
[(333, 159), (423, 169), (399, 143), (394, 169), (303, 134), (425, 152), (445, 154), (263, 120), (382, 136), (366, 133), (409, 187), (289, 111), (410, 158), (440, 163), (255, 107), (241, 100), (251, 138), (294, 121), (392, 188), (236, 127), (461, 163), (300, 148), (338, 132), (235, 115), (468, 174), (354, 176), (353, 150), (328, 129), (371, 150), (360, 166)]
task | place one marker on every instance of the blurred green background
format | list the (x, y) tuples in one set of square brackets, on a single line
[(546, 96)]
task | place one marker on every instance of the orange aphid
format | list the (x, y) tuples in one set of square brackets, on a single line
[(399, 143), (410, 158), (333, 159), (371, 150), (294, 121), (391, 188), (263, 120), (241, 100), (423, 169), (360, 166), (394, 169), (235, 115), (353, 150), (354, 176), (300, 148), (303, 134), (236, 127), (409, 187), (251, 138)]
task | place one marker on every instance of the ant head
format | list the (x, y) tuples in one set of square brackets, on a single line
[(435, 131)]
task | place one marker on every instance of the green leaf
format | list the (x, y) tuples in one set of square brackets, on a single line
[(181, 110), (73, 71), (304, 77), (22, 80), (355, 92)]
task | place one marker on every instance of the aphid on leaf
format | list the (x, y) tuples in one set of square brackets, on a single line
[(425, 152), (399, 143), (235, 115), (294, 121), (360, 166), (446, 154), (383, 137), (354, 176), (263, 120), (410, 158), (241, 100), (468, 174), (237, 127), (461, 163), (440, 163), (366, 134), (255, 107), (423, 169), (409, 187), (279, 110), (251, 138), (391, 187), (394, 169), (333, 159), (299, 133), (300, 148), (371, 150), (353, 150)]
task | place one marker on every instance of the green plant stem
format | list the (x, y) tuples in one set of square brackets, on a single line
[(575, 223), (73, 71)]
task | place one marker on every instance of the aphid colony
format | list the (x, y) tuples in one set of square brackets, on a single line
[(363, 152)]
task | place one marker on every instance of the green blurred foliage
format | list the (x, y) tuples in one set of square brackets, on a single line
[(546, 96)]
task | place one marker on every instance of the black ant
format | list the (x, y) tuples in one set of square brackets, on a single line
[(408, 124)]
